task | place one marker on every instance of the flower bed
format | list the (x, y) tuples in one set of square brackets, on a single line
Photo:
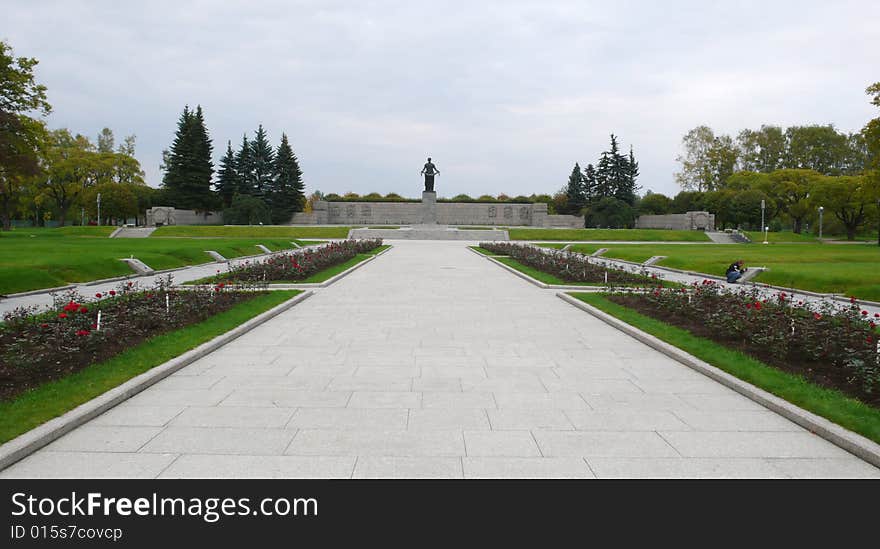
[(568, 266), (296, 265), (76, 332), (831, 346)]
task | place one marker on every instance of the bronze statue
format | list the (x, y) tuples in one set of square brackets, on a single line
[(429, 171)]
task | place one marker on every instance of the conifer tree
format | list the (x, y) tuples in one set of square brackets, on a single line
[(188, 168), (603, 176), (244, 168), (590, 183), (227, 178), (286, 196), (262, 160), (574, 191)]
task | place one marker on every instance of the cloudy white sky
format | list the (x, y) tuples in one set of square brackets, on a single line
[(504, 95)]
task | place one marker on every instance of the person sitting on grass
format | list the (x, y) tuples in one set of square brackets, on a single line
[(735, 271)]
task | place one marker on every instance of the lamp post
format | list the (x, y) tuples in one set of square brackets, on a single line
[(821, 209), (763, 205), (99, 209)]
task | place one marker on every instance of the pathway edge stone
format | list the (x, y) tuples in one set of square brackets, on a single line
[(28, 443), (851, 442)]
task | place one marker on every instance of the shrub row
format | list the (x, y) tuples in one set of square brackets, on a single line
[(38, 346), (830, 345), (569, 266), (298, 264)]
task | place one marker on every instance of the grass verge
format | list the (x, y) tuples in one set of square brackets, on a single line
[(483, 251), (640, 235), (826, 268), (251, 231), (52, 259), (828, 403), (55, 398)]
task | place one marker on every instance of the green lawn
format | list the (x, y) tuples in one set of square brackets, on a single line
[(830, 404), (53, 399), (50, 259), (782, 236), (87, 231), (830, 268), (640, 235), (251, 231)]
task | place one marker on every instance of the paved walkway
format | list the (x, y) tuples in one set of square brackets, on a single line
[(433, 362)]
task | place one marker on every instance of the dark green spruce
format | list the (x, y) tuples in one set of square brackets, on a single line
[(189, 169), (287, 190)]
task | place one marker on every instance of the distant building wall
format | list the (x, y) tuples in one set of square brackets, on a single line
[(410, 213), (164, 215), (690, 221), (565, 221)]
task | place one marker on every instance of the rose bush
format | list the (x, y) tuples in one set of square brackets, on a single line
[(37, 346), (834, 346), (299, 264), (570, 266)]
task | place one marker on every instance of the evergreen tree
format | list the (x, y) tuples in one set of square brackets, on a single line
[(626, 187), (603, 176), (244, 168), (188, 168), (227, 178), (262, 160), (574, 191), (590, 183), (286, 196)]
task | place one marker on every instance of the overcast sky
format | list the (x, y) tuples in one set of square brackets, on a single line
[(504, 96)]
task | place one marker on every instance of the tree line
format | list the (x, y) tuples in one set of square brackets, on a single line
[(605, 193), (255, 184), (51, 174), (794, 171)]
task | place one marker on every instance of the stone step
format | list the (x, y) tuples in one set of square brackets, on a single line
[(430, 232)]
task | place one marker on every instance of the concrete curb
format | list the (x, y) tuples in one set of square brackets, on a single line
[(28, 443), (837, 435)]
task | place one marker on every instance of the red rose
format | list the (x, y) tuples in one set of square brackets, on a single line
[(112, 292), (62, 315), (44, 325), (82, 332), (817, 316), (83, 309), (864, 313), (758, 305), (98, 295)]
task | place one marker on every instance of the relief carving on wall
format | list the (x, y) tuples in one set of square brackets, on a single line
[(508, 212), (366, 211), (492, 211), (523, 213), (349, 210)]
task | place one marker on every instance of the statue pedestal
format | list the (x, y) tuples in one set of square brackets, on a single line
[(429, 208)]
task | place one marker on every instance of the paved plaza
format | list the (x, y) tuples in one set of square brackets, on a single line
[(431, 361)]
